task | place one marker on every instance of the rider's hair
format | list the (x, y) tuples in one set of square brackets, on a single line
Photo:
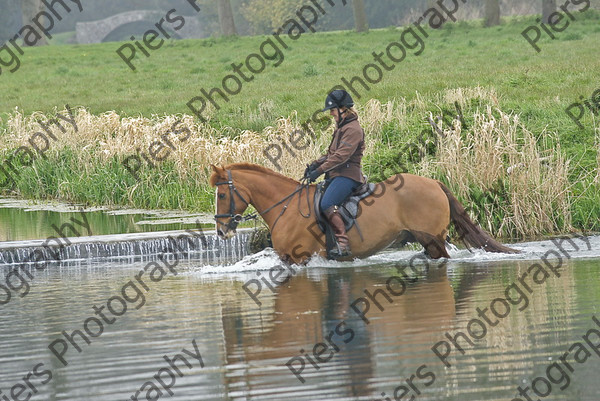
[(352, 110)]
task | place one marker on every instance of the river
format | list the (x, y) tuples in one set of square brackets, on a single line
[(394, 326)]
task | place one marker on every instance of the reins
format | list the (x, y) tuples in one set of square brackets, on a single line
[(238, 218)]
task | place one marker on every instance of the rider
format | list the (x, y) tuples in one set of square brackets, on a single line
[(341, 165)]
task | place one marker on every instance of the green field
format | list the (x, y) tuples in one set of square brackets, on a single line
[(536, 86)]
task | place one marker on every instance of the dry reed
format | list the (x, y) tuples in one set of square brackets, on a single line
[(496, 148), (535, 197), (100, 138)]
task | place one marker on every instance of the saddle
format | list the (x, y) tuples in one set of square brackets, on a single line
[(347, 210)]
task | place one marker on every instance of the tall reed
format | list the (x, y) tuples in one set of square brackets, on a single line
[(515, 182), (503, 163)]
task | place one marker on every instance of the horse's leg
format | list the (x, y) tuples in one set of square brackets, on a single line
[(299, 243), (405, 237), (435, 245)]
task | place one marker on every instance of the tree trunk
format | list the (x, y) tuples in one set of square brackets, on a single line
[(548, 7), (492, 13), (226, 18), (360, 16), (30, 8)]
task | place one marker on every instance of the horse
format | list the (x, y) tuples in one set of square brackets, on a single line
[(404, 207)]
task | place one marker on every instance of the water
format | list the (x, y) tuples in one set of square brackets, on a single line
[(23, 220), (244, 347), (198, 245)]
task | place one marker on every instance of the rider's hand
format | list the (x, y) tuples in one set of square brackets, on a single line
[(310, 168), (313, 175)]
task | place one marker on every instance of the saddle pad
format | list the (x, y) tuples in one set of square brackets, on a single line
[(348, 209)]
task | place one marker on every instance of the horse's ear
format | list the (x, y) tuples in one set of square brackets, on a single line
[(218, 173)]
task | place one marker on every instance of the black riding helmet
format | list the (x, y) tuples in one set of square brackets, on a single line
[(338, 98)]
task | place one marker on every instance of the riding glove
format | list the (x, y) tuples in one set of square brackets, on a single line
[(313, 175)]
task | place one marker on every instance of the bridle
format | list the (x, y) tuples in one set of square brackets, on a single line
[(236, 219)]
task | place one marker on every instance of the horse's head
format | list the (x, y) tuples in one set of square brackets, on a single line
[(230, 202)]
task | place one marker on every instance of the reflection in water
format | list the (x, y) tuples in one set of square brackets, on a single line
[(245, 348)]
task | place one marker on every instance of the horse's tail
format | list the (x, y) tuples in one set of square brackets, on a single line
[(470, 233)]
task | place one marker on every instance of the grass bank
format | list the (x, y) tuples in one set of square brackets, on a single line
[(539, 175)]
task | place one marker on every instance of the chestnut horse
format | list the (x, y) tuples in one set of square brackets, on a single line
[(404, 207)]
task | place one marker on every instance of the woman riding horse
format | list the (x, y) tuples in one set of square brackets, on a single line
[(341, 165)]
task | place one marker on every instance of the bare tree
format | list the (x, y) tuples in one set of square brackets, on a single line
[(492, 13), (30, 8), (360, 16), (226, 18), (548, 7)]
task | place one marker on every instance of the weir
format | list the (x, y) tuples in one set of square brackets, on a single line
[(208, 249)]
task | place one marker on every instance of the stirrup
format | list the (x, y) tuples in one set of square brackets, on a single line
[(337, 253)]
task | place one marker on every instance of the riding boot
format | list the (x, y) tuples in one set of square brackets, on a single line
[(339, 230)]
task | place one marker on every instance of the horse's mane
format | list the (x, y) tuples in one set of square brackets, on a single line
[(247, 166)]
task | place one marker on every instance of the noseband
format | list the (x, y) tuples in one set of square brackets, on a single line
[(235, 218)]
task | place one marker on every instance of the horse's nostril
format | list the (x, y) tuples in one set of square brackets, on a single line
[(220, 233)]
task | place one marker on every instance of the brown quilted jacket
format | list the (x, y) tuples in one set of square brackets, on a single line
[(345, 151)]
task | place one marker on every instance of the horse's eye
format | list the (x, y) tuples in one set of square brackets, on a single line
[(221, 196)]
